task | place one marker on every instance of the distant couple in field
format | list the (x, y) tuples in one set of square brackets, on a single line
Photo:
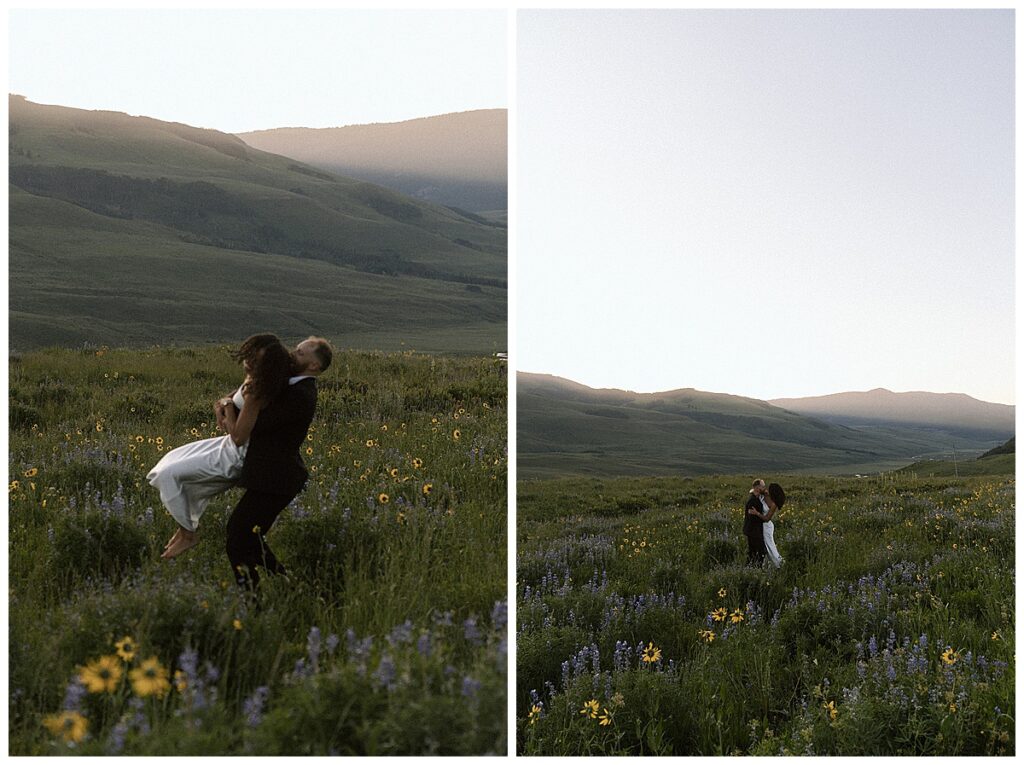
[(265, 422), (763, 503)]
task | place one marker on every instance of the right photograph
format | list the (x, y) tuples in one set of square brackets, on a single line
[(765, 382)]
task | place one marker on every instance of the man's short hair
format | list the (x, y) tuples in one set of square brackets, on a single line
[(758, 482), (324, 352)]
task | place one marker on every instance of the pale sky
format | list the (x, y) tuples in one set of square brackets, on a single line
[(241, 70), (767, 203)]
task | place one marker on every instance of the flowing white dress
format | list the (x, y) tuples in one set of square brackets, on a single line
[(189, 476), (769, 540)]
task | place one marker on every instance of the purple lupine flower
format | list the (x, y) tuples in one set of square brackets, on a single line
[(470, 687), (401, 634), (332, 643), (499, 614), (73, 695), (253, 706), (115, 744), (470, 631), (384, 675), (313, 647), (423, 645)]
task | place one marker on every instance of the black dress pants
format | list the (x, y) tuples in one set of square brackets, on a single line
[(247, 531), (756, 550)]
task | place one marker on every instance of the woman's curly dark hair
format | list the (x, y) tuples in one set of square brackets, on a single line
[(269, 362), (777, 494)]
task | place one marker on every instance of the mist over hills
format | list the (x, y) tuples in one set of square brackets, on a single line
[(458, 160), (950, 412), (566, 428), (131, 230)]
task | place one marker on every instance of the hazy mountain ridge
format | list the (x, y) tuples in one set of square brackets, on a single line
[(564, 427), (956, 411), (99, 199), (458, 160)]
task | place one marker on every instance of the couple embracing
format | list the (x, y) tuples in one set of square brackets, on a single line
[(265, 422), (763, 503)]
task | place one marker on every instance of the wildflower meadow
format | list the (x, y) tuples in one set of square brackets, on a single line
[(888, 630), (387, 636)]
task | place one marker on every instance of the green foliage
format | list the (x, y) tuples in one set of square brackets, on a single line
[(889, 629), (388, 634)]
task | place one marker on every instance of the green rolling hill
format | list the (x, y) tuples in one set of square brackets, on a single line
[(128, 230), (564, 428)]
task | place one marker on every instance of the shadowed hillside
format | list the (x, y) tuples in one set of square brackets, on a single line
[(564, 428), (129, 230)]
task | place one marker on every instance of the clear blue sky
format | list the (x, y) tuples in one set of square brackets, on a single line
[(239, 70), (767, 203)]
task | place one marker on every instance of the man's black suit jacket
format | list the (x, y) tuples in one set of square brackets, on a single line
[(273, 463), (751, 523)]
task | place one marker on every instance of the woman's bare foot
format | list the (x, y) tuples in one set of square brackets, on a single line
[(181, 542), (177, 533)]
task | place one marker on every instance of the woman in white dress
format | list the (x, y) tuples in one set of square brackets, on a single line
[(189, 476), (774, 501)]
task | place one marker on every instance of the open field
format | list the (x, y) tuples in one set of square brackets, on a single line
[(889, 630), (389, 635)]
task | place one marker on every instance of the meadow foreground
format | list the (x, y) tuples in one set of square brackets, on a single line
[(389, 636), (889, 629)]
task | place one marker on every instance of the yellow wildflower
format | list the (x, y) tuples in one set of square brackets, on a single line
[(150, 678), (101, 675), (126, 648), (534, 714), (949, 656), (31, 472), (69, 725), (606, 717), (456, 434), (719, 614), (236, 624), (590, 709), (417, 463), (427, 488), (651, 654), (737, 616), (383, 498), (830, 708), (723, 592), (707, 635)]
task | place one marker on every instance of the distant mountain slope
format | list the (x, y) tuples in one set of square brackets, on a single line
[(567, 428), (459, 160), (1010, 447), (129, 230), (950, 412)]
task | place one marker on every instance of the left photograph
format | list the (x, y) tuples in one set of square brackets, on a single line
[(257, 364)]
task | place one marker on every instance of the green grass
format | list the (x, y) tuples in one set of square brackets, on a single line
[(1000, 464), (389, 636), (889, 630)]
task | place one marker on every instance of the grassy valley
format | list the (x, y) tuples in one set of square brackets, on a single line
[(127, 230), (564, 428)]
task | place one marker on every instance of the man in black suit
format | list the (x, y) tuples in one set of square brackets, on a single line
[(753, 526), (273, 473)]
